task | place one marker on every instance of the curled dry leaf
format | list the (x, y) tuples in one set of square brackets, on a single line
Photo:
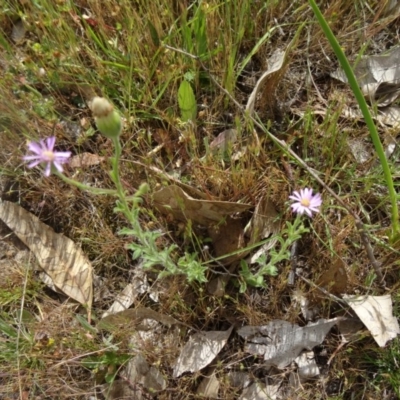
[(200, 350), (376, 312), (60, 258), (173, 200), (385, 116), (138, 371), (270, 79)]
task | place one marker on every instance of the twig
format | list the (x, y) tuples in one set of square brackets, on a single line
[(324, 291), (283, 145), (293, 263)]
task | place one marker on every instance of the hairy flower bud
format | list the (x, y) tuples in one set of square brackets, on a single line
[(108, 120)]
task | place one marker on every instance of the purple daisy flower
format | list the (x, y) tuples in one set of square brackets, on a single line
[(306, 202), (44, 153)]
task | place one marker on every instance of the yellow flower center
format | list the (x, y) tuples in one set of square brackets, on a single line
[(305, 202), (48, 155)]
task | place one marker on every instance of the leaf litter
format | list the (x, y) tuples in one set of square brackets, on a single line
[(280, 342), (280, 349), (173, 200), (376, 313), (59, 257), (200, 350)]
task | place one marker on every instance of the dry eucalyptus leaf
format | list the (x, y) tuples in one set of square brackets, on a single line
[(389, 115), (378, 77), (386, 115), (280, 342), (200, 350), (209, 387), (85, 160), (63, 261), (376, 312), (173, 200), (126, 298)]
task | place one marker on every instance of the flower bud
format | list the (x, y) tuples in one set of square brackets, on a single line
[(108, 120)]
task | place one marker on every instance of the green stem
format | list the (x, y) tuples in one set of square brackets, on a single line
[(123, 205), (367, 116), (115, 176), (82, 186)]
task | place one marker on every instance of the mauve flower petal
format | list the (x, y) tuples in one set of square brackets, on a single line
[(47, 170), (296, 196), (44, 153), (308, 211), (32, 157), (305, 196), (32, 146), (58, 166), (62, 155), (50, 141), (33, 164)]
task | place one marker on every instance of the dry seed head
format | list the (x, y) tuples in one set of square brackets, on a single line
[(101, 107), (107, 119)]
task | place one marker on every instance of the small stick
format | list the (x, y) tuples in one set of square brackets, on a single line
[(293, 262)]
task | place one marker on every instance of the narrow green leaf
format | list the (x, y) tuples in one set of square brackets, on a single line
[(8, 329), (200, 34), (154, 34)]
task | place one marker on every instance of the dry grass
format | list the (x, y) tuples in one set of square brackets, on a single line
[(72, 51)]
